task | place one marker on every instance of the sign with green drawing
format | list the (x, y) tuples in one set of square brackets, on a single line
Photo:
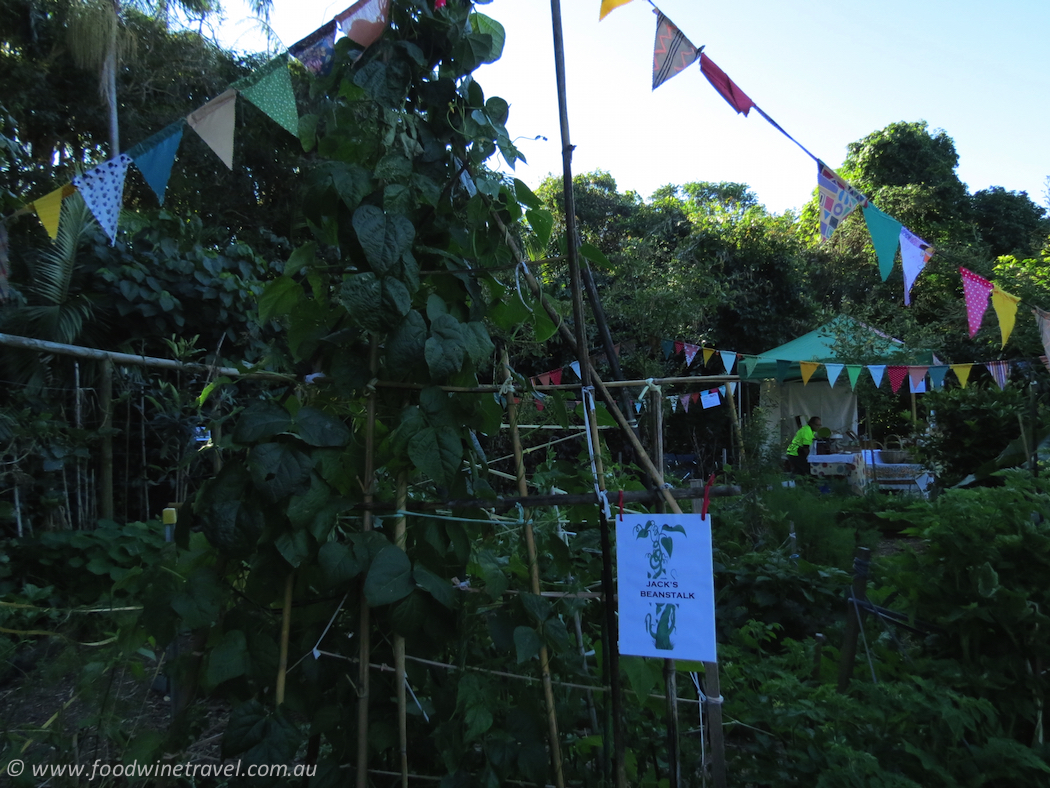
[(665, 586)]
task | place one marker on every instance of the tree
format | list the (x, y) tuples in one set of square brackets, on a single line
[(1010, 223)]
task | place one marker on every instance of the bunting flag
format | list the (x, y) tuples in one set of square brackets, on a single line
[(49, 208), (674, 404), (672, 53), (728, 89), (556, 377), (317, 51), (679, 346), (1005, 306), (917, 388), (915, 253), (750, 362), (837, 199), (962, 372), (885, 237), (937, 374), (610, 5), (708, 352), (637, 407), (545, 379), (808, 368), (877, 371), (575, 367), (897, 374), (214, 123), (270, 89), (668, 348), (103, 191), (1000, 371), (538, 403), (155, 156), (917, 375), (365, 21), (732, 387), (1046, 362), (976, 290), (728, 360), (833, 370), (1042, 319), (695, 396), (690, 353), (853, 370), (684, 399), (783, 367)]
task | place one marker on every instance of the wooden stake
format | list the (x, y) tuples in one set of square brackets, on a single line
[(364, 623), (401, 540), (286, 629), (848, 655), (106, 404), (738, 434)]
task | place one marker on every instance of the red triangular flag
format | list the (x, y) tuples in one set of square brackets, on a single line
[(737, 99), (897, 376)]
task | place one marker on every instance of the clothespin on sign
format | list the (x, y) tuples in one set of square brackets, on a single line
[(707, 494)]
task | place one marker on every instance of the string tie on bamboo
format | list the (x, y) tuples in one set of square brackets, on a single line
[(588, 406), (650, 385), (517, 282)]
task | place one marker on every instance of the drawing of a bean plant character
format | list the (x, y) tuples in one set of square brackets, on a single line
[(661, 630), (662, 545)]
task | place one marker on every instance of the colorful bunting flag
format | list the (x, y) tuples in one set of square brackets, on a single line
[(317, 51), (837, 199), (49, 208), (750, 362), (962, 372), (728, 360), (853, 370), (915, 253), (556, 377), (917, 388), (214, 123), (674, 404), (103, 191), (1042, 319), (917, 375), (668, 347), (672, 53), (690, 353), (364, 21), (270, 89), (808, 368), (695, 396), (545, 379), (610, 5), (937, 374), (155, 156), (1005, 306), (877, 371), (575, 367), (1000, 371), (732, 387), (728, 89), (679, 346), (783, 367), (833, 370), (976, 290), (684, 399), (708, 352), (885, 237), (897, 374)]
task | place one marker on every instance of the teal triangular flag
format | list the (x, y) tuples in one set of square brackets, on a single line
[(937, 376), (668, 347), (270, 89), (155, 156), (853, 370), (885, 237), (750, 362), (783, 367)]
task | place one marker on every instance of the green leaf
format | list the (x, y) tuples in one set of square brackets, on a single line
[(351, 181), (321, 429), (229, 659), (436, 586), (437, 452), (263, 736), (397, 301), (536, 606), (301, 258), (198, 603), (405, 346), (383, 238), (389, 577), (220, 381), (477, 342), (362, 295), (338, 564), (445, 349), (525, 195), (294, 546), (668, 544), (278, 470), (409, 615), (542, 223), (260, 421), (526, 643), (472, 702), (594, 254), (485, 25), (279, 298), (641, 675)]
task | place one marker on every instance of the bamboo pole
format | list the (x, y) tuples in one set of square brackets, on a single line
[(286, 630), (534, 577), (854, 617), (703, 381), (401, 540), (364, 625), (738, 434), (106, 431)]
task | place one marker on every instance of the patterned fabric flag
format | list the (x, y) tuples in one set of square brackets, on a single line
[(808, 368), (1005, 306), (937, 376), (155, 156), (976, 290), (674, 404), (1000, 371), (672, 53), (364, 21), (685, 399), (853, 370), (610, 5), (317, 50), (728, 89), (728, 360), (668, 347), (833, 370), (690, 353), (962, 372), (750, 362), (49, 209), (885, 237), (917, 375), (556, 377), (783, 367), (1042, 319), (103, 191), (837, 199), (915, 253), (877, 371), (708, 352), (270, 89), (897, 374), (214, 123)]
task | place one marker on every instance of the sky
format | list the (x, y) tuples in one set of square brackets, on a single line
[(828, 73)]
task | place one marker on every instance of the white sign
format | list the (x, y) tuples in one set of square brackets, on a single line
[(665, 586), (709, 399)]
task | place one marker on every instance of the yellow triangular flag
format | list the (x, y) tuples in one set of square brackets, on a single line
[(808, 368), (214, 122), (962, 372), (1006, 310), (609, 5), (708, 352), (49, 209)]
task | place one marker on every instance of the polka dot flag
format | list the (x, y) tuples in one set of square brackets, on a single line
[(103, 191), (977, 289)]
